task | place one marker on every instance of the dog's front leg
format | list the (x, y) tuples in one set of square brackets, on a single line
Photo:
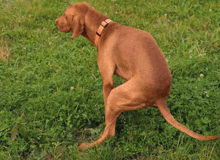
[(107, 69), (107, 87)]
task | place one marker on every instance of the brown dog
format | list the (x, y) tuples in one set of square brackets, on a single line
[(133, 55)]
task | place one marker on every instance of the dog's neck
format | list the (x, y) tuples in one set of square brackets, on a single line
[(93, 19)]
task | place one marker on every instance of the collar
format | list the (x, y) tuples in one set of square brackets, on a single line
[(100, 29)]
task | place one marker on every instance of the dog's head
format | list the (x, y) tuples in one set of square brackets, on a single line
[(73, 19)]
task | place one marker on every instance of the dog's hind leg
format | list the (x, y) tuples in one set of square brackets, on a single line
[(123, 98)]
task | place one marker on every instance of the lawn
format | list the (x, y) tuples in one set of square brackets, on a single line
[(51, 89)]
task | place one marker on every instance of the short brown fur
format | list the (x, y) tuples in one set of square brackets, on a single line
[(133, 55)]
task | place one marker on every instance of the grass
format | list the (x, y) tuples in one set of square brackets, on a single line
[(51, 89)]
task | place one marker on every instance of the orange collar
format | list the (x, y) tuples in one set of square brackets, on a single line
[(100, 29)]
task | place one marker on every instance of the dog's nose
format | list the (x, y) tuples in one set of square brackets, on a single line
[(56, 20)]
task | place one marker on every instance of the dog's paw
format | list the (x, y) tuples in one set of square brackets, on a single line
[(83, 146)]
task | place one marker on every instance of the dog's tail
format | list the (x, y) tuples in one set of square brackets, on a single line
[(161, 105)]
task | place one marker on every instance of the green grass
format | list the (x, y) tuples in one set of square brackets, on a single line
[(51, 88)]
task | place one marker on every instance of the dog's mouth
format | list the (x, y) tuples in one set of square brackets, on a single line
[(68, 30), (63, 28)]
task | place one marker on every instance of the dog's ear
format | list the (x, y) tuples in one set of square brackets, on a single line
[(77, 26)]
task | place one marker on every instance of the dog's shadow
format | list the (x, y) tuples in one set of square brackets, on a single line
[(137, 121)]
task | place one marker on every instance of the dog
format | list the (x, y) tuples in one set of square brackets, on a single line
[(131, 54)]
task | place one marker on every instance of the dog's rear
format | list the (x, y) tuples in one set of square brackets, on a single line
[(145, 60)]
